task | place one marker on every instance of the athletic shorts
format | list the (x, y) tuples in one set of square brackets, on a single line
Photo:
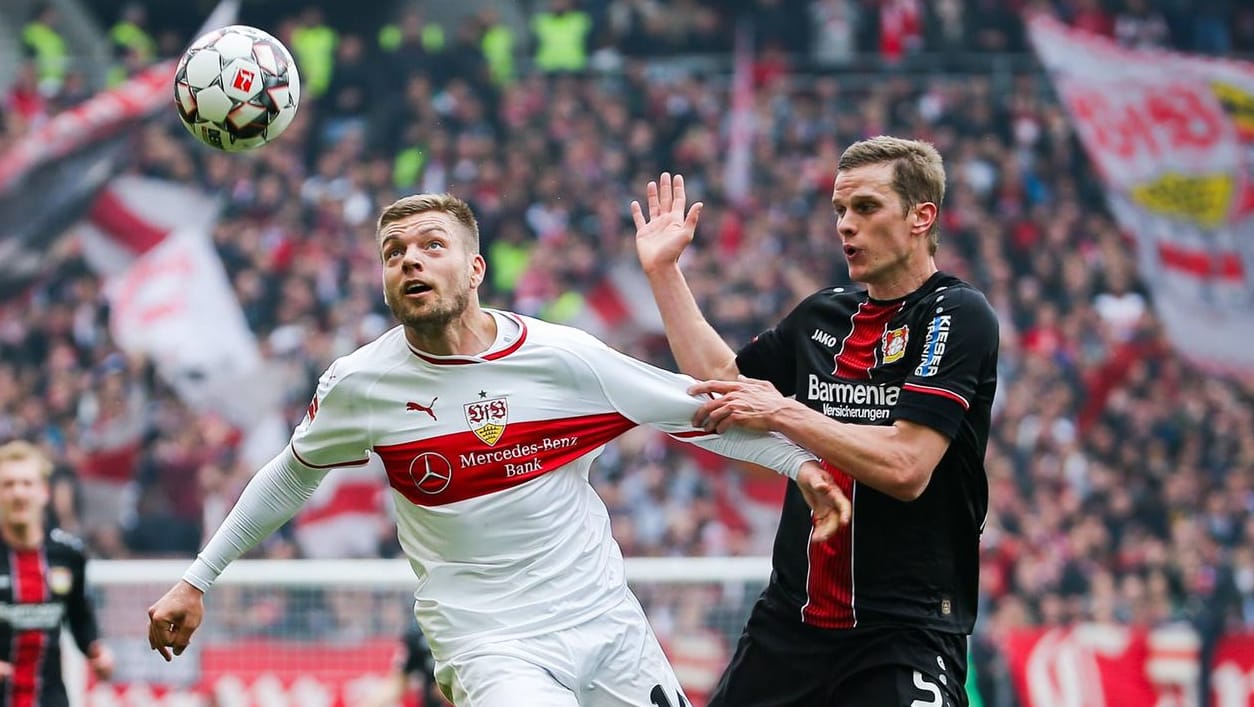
[(781, 663), (613, 660)]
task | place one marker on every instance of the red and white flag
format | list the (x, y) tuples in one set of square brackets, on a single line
[(1172, 137), (170, 299)]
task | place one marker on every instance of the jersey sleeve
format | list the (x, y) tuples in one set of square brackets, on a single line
[(960, 346), (80, 614), (770, 355), (335, 431), (648, 395)]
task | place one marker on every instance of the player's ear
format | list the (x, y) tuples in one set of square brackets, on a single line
[(925, 214), (478, 267)]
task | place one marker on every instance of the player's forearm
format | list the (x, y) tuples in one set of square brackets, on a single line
[(873, 455), (769, 450), (273, 496), (698, 349)]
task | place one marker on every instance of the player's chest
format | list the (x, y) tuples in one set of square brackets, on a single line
[(467, 436), (853, 372), (33, 592)]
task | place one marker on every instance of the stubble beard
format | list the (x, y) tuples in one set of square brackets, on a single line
[(433, 320)]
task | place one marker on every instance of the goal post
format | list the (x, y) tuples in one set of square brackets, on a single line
[(321, 633)]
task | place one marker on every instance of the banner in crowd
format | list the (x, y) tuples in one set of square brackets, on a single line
[(50, 176), (1172, 138), (170, 299), (1095, 665)]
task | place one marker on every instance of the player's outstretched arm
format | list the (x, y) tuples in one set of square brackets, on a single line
[(661, 238), (897, 459), (273, 496)]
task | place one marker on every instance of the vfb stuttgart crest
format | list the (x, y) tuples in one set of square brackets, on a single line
[(487, 419), (895, 343)]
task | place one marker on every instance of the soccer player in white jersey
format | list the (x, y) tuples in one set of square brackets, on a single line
[(487, 423)]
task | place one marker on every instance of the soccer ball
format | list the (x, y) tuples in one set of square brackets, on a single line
[(236, 88)]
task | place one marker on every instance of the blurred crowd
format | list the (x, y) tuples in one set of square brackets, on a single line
[(1121, 479)]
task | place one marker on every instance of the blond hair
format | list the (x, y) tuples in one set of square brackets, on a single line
[(918, 172), (22, 451), (408, 206)]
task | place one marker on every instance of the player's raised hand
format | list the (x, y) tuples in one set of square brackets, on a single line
[(173, 619), (830, 508), (667, 231)]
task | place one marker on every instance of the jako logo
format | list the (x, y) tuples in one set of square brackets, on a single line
[(934, 346), (243, 80), (824, 338)]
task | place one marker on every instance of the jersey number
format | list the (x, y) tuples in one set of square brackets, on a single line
[(659, 698), (931, 688)]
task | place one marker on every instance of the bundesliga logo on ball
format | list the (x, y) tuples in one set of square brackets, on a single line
[(236, 88)]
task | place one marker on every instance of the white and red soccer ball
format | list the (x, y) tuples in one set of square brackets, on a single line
[(236, 88)]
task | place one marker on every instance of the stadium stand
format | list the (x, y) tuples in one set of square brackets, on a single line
[(1121, 478)]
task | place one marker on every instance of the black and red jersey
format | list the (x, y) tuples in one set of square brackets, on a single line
[(40, 589), (931, 358)]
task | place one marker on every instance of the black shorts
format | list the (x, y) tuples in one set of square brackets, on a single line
[(783, 663)]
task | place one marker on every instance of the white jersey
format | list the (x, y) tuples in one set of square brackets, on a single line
[(488, 460)]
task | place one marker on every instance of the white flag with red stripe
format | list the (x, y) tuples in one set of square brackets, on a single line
[(1172, 137), (170, 300)]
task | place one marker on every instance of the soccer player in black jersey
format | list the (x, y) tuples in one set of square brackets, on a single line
[(892, 386), (41, 586)]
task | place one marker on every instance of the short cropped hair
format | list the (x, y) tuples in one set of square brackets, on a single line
[(407, 206), (918, 171), (21, 451)]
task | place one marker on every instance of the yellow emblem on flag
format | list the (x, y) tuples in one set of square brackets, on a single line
[(1202, 199), (1237, 103)]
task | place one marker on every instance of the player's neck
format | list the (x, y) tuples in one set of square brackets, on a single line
[(902, 281), (469, 334), (23, 536)]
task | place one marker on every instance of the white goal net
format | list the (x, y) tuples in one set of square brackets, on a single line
[(322, 633)]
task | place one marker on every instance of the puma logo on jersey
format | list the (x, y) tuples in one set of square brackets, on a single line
[(424, 408)]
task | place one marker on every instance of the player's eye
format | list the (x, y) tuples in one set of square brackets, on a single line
[(435, 245), (394, 253)]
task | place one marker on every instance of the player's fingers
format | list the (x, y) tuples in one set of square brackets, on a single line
[(679, 199), (708, 387), (694, 215), (157, 641), (637, 215), (650, 194), (720, 419), (703, 412), (664, 191), (825, 526), (182, 638), (844, 507)]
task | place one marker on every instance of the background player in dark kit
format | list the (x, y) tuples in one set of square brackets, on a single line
[(42, 585), (892, 386)]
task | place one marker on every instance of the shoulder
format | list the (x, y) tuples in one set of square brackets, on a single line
[(368, 361), (953, 300), (60, 539), (841, 295), (557, 336), (952, 293)]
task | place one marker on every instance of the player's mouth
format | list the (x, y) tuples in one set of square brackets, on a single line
[(851, 252), (415, 289)]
